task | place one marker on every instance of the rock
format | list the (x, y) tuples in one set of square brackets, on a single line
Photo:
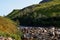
[(43, 33), (9, 38)]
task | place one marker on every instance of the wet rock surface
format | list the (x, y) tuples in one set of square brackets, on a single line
[(40, 33)]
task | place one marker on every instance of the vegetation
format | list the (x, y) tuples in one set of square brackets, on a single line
[(44, 14), (8, 28), (43, 1)]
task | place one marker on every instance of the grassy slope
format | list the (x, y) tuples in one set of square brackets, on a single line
[(8, 28), (37, 11), (35, 7)]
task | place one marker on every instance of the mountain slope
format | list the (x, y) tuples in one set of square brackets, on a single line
[(8, 28), (43, 1), (44, 14)]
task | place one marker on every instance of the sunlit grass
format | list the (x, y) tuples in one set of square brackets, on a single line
[(8, 28)]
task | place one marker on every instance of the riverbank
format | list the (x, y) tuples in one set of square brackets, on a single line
[(40, 33)]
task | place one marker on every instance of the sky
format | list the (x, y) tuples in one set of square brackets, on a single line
[(6, 6)]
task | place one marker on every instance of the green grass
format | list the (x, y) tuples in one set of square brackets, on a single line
[(37, 14), (9, 29)]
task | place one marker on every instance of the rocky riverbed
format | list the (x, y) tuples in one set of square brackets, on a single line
[(40, 33)]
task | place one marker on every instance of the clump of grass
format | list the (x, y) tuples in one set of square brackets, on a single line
[(8, 28)]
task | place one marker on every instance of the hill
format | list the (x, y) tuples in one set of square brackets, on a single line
[(43, 1), (44, 14), (8, 28)]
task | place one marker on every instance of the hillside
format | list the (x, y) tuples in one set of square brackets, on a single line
[(44, 14), (43, 1), (8, 28)]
